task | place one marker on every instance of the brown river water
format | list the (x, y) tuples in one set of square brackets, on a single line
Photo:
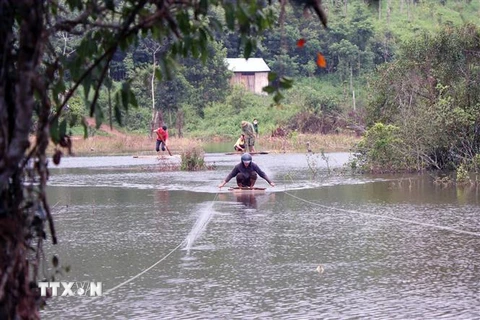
[(321, 244)]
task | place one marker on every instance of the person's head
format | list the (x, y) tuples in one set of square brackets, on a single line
[(242, 136), (255, 120), (164, 127), (244, 123), (246, 159)]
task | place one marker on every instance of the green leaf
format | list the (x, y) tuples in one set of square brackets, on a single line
[(63, 129), (125, 95), (98, 117), (269, 89), (277, 97), (158, 74), (272, 76), (285, 82), (110, 5), (184, 22), (118, 114), (54, 131), (203, 6), (133, 99), (85, 128), (230, 16), (75, 4), (58, 91), (248, 49)]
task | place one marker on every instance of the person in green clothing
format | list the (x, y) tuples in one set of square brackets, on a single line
[(255, 126), (249, 132)]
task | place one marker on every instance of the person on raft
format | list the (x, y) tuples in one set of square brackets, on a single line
[(240, 144), (246, 173), (162, 137)]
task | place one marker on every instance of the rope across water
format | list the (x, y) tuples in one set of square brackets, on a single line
[(476, 234)]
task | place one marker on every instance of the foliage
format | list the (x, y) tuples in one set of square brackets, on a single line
[(193, 159), (432, 94), (462, 174), (74, 111), (378, 149), (223, 119)]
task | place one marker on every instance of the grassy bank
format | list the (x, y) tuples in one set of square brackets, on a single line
[(120, 144)]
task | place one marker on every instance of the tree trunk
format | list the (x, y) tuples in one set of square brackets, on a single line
[(20, 55), (154, 124)]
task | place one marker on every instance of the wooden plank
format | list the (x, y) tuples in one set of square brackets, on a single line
[(247, 190), (252, 153), (158, 156)]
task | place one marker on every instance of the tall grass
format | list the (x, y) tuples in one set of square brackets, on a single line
[(192, 159), (193, 148)]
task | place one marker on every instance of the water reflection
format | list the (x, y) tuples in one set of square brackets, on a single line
[(248, 200)]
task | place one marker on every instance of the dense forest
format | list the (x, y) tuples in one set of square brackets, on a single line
[(390, 64)]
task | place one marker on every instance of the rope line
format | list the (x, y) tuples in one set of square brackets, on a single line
[(144, 271), (388, 218), (141, 273), (129, 280)]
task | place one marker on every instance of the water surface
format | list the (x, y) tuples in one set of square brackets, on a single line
[(391, 247)]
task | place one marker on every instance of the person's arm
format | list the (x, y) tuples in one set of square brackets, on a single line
[(252, 129), (262, 174), (232, 174), (166, 138)]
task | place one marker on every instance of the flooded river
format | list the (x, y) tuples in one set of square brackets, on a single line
[(321, 244)]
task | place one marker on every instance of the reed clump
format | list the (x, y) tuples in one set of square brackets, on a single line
[(192, 159)]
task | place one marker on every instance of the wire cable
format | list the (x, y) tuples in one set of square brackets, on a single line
[(140, 273), (388, 218)]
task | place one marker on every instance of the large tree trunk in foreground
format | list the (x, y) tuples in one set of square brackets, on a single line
[(19, 79)]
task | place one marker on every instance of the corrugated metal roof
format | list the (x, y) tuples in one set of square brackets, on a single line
[(244, 65)]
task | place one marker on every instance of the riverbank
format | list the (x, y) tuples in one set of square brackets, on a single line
[(119, 143)]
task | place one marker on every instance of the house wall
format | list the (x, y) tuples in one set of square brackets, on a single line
[(261, 80), (252, 81)]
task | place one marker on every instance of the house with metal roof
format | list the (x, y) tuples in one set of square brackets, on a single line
[(252, 73)]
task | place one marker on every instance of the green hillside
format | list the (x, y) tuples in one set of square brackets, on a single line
[(194, 99)]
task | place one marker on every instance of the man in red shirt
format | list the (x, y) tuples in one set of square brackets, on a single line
[(162, 137)]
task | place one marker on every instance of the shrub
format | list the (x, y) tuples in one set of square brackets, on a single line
[(377, 151), (192, 159)]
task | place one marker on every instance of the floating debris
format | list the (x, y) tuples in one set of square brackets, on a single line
[(320, 269)]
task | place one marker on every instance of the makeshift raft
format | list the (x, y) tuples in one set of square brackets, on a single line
[(158, 156), (247, 190), (252, 153)]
